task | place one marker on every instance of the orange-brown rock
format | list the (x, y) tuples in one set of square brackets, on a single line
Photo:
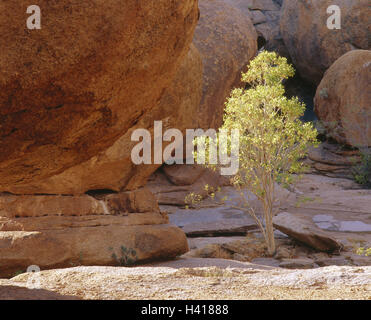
[(342, 100), (312, 46), (49, 205), (88, 245), (227, 40), (113, 168), (141, 200), (73, 88), (7, 224), (97, 238), (42, 223)]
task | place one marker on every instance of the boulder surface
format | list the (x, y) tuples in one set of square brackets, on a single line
[(72, 88), (113, 168), (227, 41), (94, 240), (342, 100), (305, 231), (314, 47)]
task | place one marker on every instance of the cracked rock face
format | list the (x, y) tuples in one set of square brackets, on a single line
[(312, 46), (71, 89)]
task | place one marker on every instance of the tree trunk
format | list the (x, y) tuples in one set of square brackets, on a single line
[(268, 212), (270, 236)]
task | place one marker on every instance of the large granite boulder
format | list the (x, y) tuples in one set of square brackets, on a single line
[(113, 168), (71, 89), (342, 100), (314, 47), (227, 41)]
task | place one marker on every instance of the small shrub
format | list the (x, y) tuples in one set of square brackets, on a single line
[(362, 171), (192, 199), (364, 252), (272, 141)]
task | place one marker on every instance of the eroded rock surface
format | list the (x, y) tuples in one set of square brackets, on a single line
[(71, 89)]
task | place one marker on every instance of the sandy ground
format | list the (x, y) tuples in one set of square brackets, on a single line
[(172, 281)]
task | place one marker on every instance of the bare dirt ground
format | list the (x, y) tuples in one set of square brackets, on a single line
[(172, 281)]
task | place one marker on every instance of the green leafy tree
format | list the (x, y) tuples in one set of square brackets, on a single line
[(272, 139)]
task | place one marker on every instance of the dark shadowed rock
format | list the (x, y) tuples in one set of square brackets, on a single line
[(168, 193), (14, 291)]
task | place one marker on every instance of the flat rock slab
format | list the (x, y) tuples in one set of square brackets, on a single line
[(333, 261), (213, 221), (266, 262), (328, 222), (186, 262), (219, 216), (90, 245), (322, 155), (14, 206), (302, 263), (305, 231), (196, 243)]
